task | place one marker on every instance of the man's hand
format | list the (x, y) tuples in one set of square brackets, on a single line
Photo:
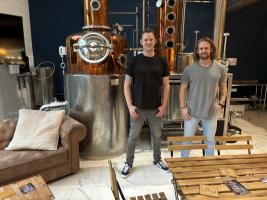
[(161, 111), (185, 114), (218, 108), (132, 111)]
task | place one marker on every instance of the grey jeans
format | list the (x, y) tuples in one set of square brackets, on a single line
[(135, 129)]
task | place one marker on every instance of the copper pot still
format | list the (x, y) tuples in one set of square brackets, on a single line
[(170, 30), (96, 50)]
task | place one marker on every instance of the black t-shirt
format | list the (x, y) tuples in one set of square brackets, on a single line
[(147, 73)]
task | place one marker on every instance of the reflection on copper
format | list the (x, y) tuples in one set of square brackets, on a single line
[(119, 48), (96, 20), (77, 65), (169, 22), (93, 16)]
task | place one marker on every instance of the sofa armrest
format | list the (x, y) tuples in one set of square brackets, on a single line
[(7, 129), (71, 133)]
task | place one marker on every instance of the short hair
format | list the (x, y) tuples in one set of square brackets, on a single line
[(212, 47), (147, 30)]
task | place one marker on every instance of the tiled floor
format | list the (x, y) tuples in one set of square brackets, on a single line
[(92, 182)]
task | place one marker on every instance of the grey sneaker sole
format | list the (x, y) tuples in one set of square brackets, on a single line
[(125, 176), (167, 171)]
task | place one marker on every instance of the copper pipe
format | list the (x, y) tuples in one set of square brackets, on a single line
[(218, 27), (96, 12), (169, 23)]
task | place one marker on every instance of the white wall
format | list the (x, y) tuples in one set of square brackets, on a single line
[(20, 8)]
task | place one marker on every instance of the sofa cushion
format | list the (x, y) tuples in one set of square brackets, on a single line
[(22, 163), (38, 130)]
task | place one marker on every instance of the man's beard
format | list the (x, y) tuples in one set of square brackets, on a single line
[(204, 56)]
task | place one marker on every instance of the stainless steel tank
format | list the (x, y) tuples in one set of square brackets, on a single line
[(183, 60), (98, 102), (170, 32), (96, 60), (43, 85), (173, 112)]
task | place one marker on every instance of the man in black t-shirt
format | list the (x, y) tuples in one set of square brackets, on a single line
[(146, 75)]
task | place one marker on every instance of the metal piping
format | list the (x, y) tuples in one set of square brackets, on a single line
[(170, 13), (218, 27), (224, 46), (136, 28), (240, 4), (96, 12), (198, 1), (144, 17), (54, 105), (196, 37), (122, 13), (182, 26)]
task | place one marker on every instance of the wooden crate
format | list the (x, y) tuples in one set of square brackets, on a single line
[(35, 188)]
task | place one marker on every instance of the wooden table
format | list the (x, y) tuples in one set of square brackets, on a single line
[(189, 173)]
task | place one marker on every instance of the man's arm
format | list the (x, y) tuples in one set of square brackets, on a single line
[(223, 93), (182, 97), (166, 90), (128, 96), (128, 90), (165, 96)]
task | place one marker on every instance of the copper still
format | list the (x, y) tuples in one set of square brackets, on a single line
[(96, 50), (170, 30), (218, 26), (118, 58), (96, 60)]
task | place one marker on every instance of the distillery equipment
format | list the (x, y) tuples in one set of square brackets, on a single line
[(170, 33), (170, 17), (96, 60), (170, 23)]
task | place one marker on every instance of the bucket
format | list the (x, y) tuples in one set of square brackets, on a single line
[(43, 84)]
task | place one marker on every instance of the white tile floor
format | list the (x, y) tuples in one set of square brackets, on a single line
[(92, 182)]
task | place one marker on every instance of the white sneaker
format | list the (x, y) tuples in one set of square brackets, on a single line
[(127, 169)]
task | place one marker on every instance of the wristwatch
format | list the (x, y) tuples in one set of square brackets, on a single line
[(182, 107)]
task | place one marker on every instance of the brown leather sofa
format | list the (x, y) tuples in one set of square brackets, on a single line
[(51, 165)]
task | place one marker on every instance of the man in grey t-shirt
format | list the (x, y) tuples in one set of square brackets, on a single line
[(198, 97)]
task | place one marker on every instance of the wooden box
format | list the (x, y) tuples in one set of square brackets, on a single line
[(33, 188)]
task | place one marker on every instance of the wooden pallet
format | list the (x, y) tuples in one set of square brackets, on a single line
[(249, 170), (14, 191)]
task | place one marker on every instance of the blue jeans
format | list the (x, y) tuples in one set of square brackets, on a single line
[(135, 129), (209, 129)]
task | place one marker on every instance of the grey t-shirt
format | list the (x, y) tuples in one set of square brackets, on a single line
[(203, 88)]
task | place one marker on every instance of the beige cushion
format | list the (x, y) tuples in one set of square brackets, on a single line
[(37, 130)]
